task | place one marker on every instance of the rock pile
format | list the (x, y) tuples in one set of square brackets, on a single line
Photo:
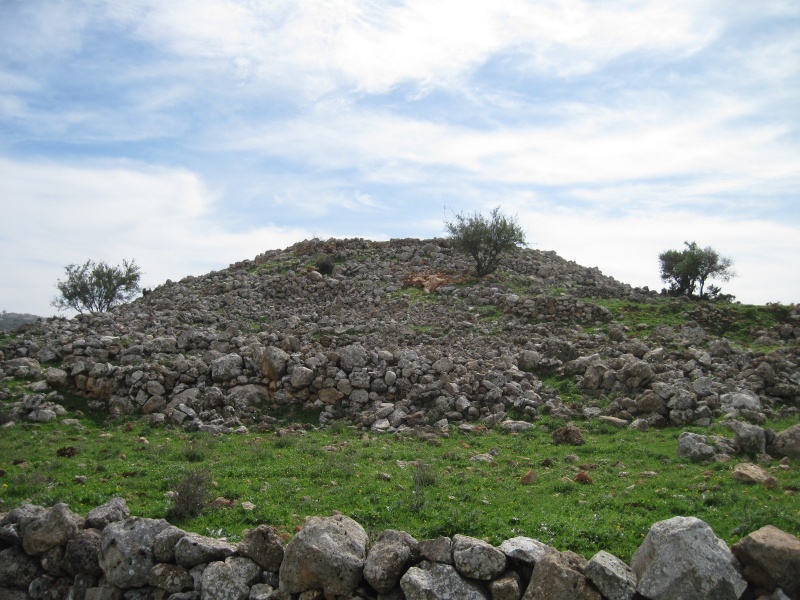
[(233, 349), (51, 554)]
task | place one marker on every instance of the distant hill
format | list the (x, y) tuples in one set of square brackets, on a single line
[(10, 321)]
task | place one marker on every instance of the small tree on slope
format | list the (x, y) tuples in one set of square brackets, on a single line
[(97, 287), (485, 239), (686, 270)]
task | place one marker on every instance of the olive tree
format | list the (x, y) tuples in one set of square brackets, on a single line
[(485, 239), (97, 287), (687, 271)]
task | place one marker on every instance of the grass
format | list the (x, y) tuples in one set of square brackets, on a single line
[(397, 481)]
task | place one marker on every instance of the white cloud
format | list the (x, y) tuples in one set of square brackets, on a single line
[(164, 219)]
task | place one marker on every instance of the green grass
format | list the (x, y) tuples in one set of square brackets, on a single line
[(413, 295), (398, 481)]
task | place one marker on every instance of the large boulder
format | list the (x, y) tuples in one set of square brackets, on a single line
[(477, 559), (114, 510), (82, 554), (17, 568), (751, 439), (52, 528), (126, 550), (439, 581), (328, 554), (388, 559), (611, 576), (219, 581), (226, 367), (787, 442), (352, 357), (194, 549), (743, 400), (682, 558), (694, 447), (555, 578), (170, 578), (270, 361), (771, 560), (264, 546)]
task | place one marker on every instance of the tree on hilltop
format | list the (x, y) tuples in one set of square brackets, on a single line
[(485, 239), (688, 270), (97, 287)]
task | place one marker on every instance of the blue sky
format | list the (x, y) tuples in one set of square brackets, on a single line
[(191, 134)]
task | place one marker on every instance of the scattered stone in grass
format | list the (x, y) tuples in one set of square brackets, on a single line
[(750, 473), (571, 458), (220, 502), (548, 462), (529, 477), (588, 467), (648, 474), (80, 479), (583, 477), (569, 434), (67, 451), (384, 477), (248, 506)]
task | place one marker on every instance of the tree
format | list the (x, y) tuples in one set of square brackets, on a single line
[(689, 269), (485, 239), (97, 287)]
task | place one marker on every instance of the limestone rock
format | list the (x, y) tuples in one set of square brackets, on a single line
[(611, 576), (750, 473), (48, 530), (506, 587), (388, 559), (477, 559), (787, 442), (244, 569), (164, 543), (771, 559), (226, 367), (694, 447), (682, 558), (170, 578), (193, 549), (114, 510), (82, 554), (439, 581), (751, 439), (328, 553), (220, 582), (270, 361), (439, 550), (525, 550), (353, 356), (740, 400), (264, 546), (126, 550), (555, 578), (17, 568)]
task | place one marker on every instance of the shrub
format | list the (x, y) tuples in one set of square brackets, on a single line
[(485, 239), (97, 287), (190, 495), (325, 264)]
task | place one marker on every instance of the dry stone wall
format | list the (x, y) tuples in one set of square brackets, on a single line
[(54, 554)]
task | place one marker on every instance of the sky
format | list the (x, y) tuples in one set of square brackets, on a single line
[(191, 134)]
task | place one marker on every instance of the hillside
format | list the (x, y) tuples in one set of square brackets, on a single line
[(269, 337)]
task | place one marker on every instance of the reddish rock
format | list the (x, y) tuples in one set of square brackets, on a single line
[(771, 559)]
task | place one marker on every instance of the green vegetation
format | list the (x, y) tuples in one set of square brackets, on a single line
[(97, 287), (413, 295), (485, 239), (388, 481), (688, 270), (566, 387)]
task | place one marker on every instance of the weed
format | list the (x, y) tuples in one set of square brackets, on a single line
[(190, 495), (424, 477)]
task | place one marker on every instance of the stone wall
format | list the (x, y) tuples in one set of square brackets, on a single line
[(54, 554)]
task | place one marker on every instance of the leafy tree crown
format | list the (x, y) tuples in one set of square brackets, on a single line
[(687, 271), (97, 287), (485, 239)]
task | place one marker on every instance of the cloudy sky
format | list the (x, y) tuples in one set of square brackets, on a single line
[(191, 134)]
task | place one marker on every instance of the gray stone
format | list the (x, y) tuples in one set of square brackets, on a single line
[(437, 581), (244, 569), (438, 550), (114, 510), (751, 439), (82, 554), (352, 357), (164, 543), (270, 361), (694, 447), (226, 367), (477, 559), (220, 583), (528, 360), (126, 550), (771, 559), (555, 578), (611, 576), (17, 568), (388, 559), (506, 587), (525, 550), (170, 578), (264, 546), (740, 400), (301, 377), (328, 553), (56, 378), (261, 591), (787, 442), (682, 558), (52, 528), (193, 549)]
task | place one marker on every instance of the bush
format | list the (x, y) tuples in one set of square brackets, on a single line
[(485, 239), (190, 495), (97, 287), (325, 264), (688, 270)]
